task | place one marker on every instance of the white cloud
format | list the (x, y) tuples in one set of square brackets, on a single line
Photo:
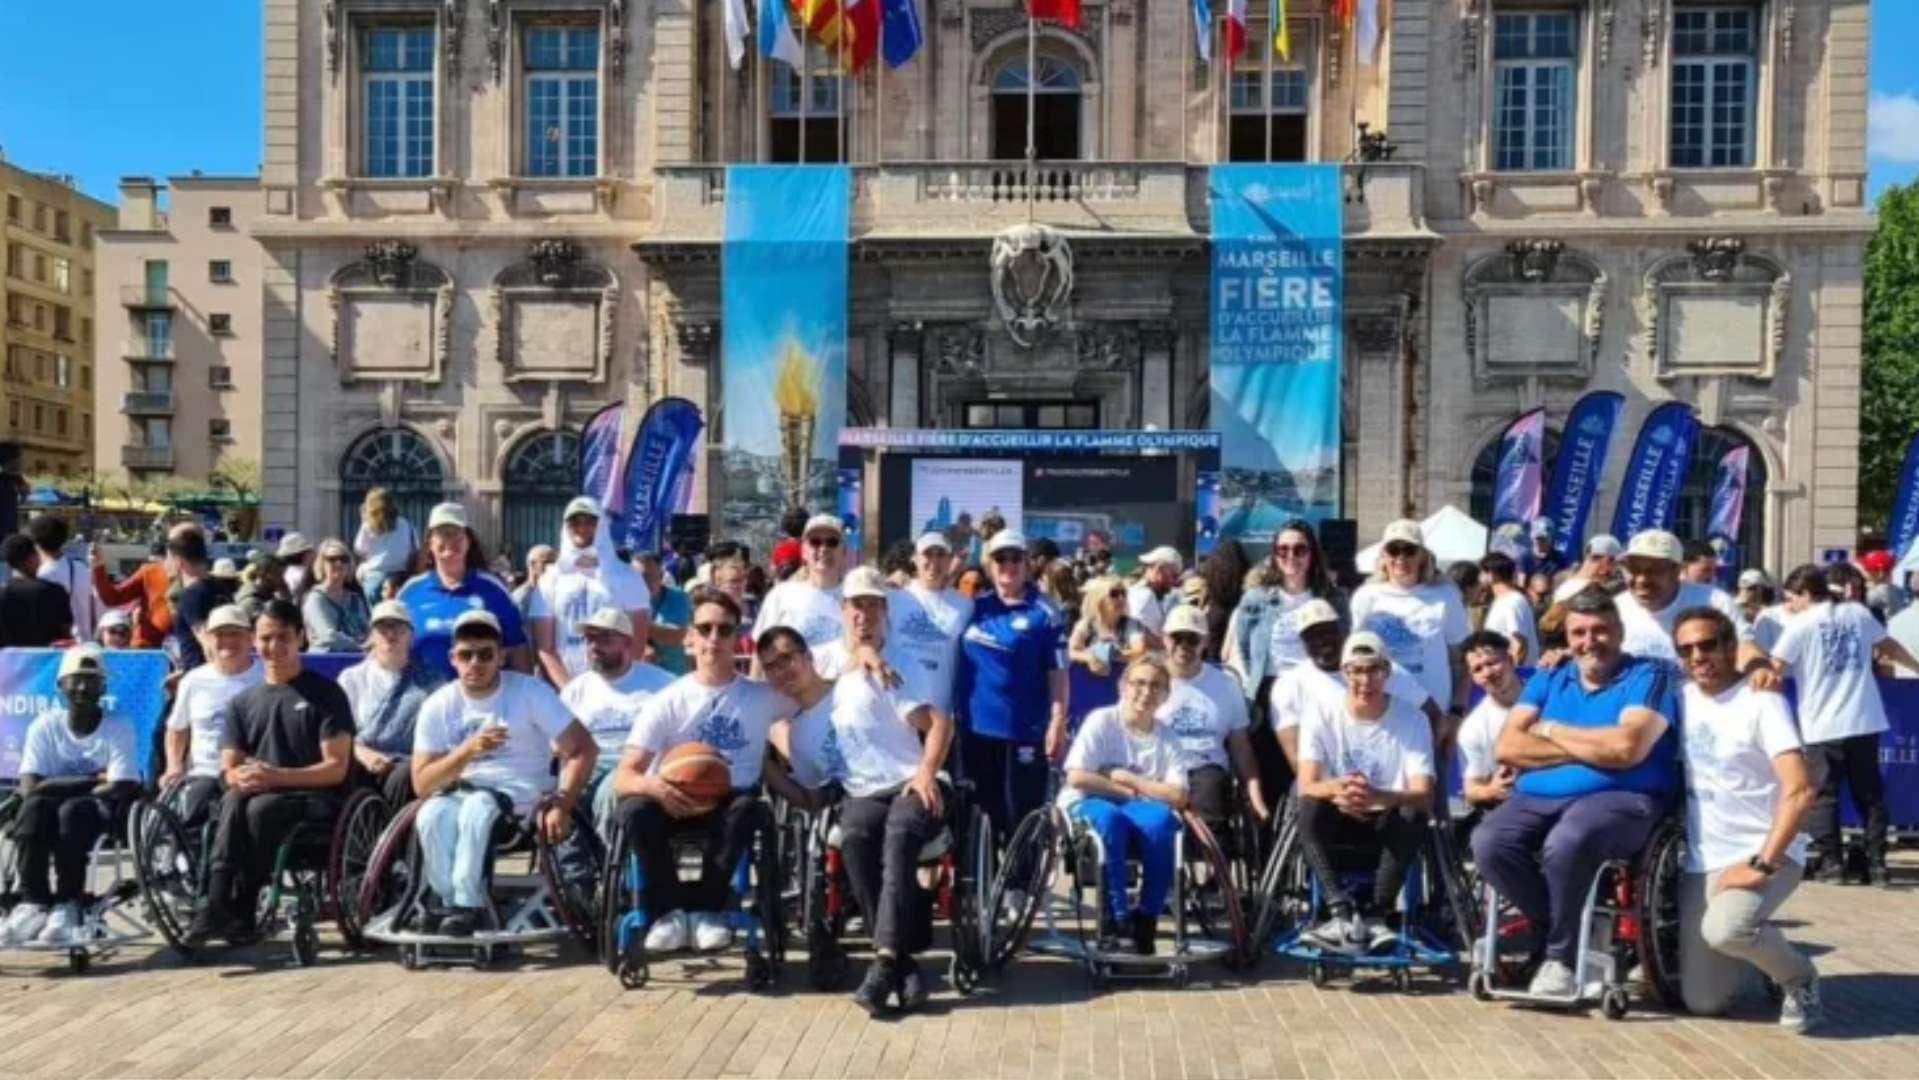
[(1893, 127)]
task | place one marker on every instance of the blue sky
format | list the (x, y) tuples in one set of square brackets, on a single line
[(101, 96)]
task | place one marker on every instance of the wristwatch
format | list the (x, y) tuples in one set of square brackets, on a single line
[(1544, 729), (1759, 863)]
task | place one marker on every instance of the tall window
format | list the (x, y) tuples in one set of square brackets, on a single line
[(1271, 101), (1535, 55), (153, 432), (397, 88), (1714, 75), (1055, 104), (804, 122), (159, 332), (562, 101)]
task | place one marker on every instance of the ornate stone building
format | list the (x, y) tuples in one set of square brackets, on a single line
[(486, 218)]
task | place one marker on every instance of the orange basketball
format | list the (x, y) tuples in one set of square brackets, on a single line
[(699, 771)]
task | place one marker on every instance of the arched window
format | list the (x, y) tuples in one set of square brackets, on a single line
[(1695, 498), (399, 460), (1486, 471), (1056, 110), (542, 474)]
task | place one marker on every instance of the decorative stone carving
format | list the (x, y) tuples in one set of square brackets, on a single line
[(696, 339), (495, 38), (1783, 24), (1652, 16), (1715, 258), (616, 39), (1537, 311), (1107, 347), (958, 350), (1716, 310), (1603, 47), (988, 24), (1661, 186), (1472, 23), (453, 21), (1032, 280), (391, 261), (553, 315), (1534, 259), (556, 263), (392, 316), (1592, 188), (1335, 50), (330, 20), (1479, 194)]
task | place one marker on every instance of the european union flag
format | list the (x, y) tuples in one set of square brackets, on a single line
[(900, 34)]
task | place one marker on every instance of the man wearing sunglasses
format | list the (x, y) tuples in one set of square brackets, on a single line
[(1206, 711), (928, 617), (810, 601), (1157, 593)]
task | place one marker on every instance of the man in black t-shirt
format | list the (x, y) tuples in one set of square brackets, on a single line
[(196, 601), (33, 613), (284, 759)]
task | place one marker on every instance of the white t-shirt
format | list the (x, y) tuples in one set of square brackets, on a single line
[(1829, 647), (1105, 743), (872, 744), (201, 705), (1201, 712), (387, 552), (1150, 608), (814, 755), (1305, 688), (1511, 614), (1284, 649), (1771, 622), (609, 707), (571, 598), (534, 716), (1903, 628), (733, 719), (1479, 738), (813, 611), (1418, 626), (1649, 633), (366, 685), (927, 625), (1729, 741), (52, 752), (74, 576), (1389, 752)]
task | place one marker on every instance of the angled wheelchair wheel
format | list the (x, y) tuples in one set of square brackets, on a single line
[(827, 964), (622, 894), (1452, 895), (355, 836), (393, 878), (1021, 881), (1283, 898), (166, 865), (1656, 906), (571, 871), (1216, 911), (768, 899), (972, 880)]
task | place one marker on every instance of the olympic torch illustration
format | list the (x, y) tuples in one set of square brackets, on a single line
[(796, 392)]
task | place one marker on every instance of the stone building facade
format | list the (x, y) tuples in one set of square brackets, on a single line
[(483, 219)]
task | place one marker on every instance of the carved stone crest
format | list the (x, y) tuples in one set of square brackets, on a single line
[(1032, 280), (1107, 347), (391, 261), (1715, 258), (959, 351), (555, 262), (1535, 258)]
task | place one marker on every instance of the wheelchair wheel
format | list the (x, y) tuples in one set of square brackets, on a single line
[(1217, 911), (1457, 902), (621, 893), (393, 875), (1025, 868), (768, 900), (973, 877), (355, 836), (827, 964), (1283, 898), (164, 864), (1656, 906), (571, 886)]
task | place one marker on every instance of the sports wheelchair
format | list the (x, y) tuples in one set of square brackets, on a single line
[(1630, 920), (757, 911), (108, 921), (551, 899), (317, 869)]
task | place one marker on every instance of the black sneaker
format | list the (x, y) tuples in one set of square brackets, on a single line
[(876, 987), (207, 924), (1145, 930), (1111, 938), (1880, 875), (241, 930), (431, 920), (460, 922), (908, 984)]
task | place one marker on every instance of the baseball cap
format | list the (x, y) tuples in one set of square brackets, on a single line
[(1185, 619), (1754, 579), (1005, 539), (293, 544), (1656, 544), (390, 611), (862, 581), (582, 504), (446, 513), (1364, 645), (115, 619), (1163, 556), (227, 617), (1542, 527), (1313, 613), (829, 522), (610, 619), (225, 569), (87, 659), (1603, 546), (1878, 560), (1403, 531), (933, 541), (477, 618)]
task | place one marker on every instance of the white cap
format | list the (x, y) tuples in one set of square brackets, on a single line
[(1185, 619), (1364, 645), (115, 619), (1163, 556), (293, 544), (391, 611), (1004, 539), (446, 513), (477, 617), (1754, 578), (228, 617), (1403, 531), (82, 658), (1313, 613), (829, 522), (1656, 544), (863, 581), (225, 568), (1542, 527), (582, 504), (1603, 546), (933, 541), (610, 619)]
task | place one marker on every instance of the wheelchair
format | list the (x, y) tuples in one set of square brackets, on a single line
[(953, 877), (317, 870), (1055, 849), (1630, 918), (550, 900), (109, 920), (757, 885), (1434, 909)]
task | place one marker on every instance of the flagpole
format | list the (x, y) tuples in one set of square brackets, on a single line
[(845, 141), (1266, 93), (1032, 75), (1185, 103), (759, 99), (1215, 33), (726, 72)]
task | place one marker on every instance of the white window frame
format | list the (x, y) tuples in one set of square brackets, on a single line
[(1713, 63), (563, 79), (822, 89), (367, 80), (1305, 44)]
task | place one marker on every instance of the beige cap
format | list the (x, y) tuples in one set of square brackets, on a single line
[(391, 611), (1364, 646), (115, 620), (933, 541), (293, 544), (446, 513), (582, 504), (1313, 613), (1403, 531), (863, 581), (334, 549), (225, 569), (1004, 540), (610, 619), (228, 617), (89, 659), (1185, 619), (1603, 546), (1754, 578), (477, 617), (1656, 544), (827, 522), (1163, 556)]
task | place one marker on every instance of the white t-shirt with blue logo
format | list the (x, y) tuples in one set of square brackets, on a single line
[(53, 752), (608, 707), (1105, 743), (813, 746), (1388, 752), (798, 603), (201, 705), (733, 719), (1201, 712), (534, 716), (1829, 647), (1304, 688), (1418, 626), (1729, 741), (571, 598), (926, 625)]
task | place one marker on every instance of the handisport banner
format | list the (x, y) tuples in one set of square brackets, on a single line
[(1904, 526), (1516, 484), (1578, 468), (136, 693), (783, 277), (1276, 308), (1661, 457), (656, 471)]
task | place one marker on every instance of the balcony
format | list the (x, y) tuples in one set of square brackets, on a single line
[(148, 298), (147, 403), (147, 352), (146, 457)]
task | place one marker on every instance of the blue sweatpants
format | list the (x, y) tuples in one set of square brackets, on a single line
[(1144, 829)]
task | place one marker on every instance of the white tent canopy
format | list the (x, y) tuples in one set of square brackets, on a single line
[(1451, 535)]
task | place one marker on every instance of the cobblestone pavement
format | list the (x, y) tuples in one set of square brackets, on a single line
[(143, 1013)]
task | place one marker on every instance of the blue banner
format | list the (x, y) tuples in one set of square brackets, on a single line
[(1728, 496), (1661, 457), (663, 450), (851, 496), (1904, 525), (1521, 460), (1276, 310), (783, 274), (136, 693), (1578, 468), (600, 464)]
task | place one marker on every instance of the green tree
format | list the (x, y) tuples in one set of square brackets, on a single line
[(1889, 402)]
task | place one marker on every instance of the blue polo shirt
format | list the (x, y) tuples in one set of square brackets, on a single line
[(1007, 655), (434, 608), (1561, 698)]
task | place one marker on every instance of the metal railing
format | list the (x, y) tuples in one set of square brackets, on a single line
[(146, 457), (147, 401)]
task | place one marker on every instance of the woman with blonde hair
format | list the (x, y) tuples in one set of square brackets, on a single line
[(1418, 612), (1104, 640), (386, 541)]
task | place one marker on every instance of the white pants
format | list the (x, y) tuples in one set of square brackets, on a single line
[(456, 838)]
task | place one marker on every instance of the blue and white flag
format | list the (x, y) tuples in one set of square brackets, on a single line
[(1203, 29), (1904, 526), (603, 462), (900, 32), (1516, 485), (1729, 495), (663, 448), (1578, 468), (1661, 458), (777, 38)]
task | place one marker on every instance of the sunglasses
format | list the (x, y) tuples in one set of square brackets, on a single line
[(716, 629), (824, 543), (1191, 641), (1292, 549), (1401, 550), (1689, 648), (476, 656), (778, 661), (1009, 557)]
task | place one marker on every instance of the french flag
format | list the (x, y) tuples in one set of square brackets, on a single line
[(1235, 31)]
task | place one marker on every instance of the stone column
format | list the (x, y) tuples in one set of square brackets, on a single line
[(1375, 399), (1156, 376), (905, 344)]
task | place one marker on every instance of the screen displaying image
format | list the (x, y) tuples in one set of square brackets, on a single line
[(952, 495), (1135, 500)]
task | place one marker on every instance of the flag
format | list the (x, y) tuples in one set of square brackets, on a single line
[(1064, 12), (1282, 34), (861, 20), (1728, 495), (1661, 458), (735, 32), (1903, 529), (1367, 35), (1516, 484), (1235, 31), (1203, 29), (777, 39), (901, 36), (1578, 469), (1341, 11)]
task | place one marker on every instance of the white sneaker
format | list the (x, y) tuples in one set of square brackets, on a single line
[(23, 924), (62, 926), (668, 935), (1379, 935), (1801, 1010), (710, 932), (1553, 980)]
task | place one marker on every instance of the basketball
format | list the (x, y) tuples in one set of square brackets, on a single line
[(699, 772)]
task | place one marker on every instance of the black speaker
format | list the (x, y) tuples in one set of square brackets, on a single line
[(1339, 537)]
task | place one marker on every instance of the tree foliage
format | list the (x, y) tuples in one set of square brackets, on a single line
[(241, 474), (1889, 401)]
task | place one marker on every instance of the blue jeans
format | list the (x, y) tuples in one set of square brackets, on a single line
[(1144, 829)]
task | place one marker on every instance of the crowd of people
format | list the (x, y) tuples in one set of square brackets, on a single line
[(1274, 679)]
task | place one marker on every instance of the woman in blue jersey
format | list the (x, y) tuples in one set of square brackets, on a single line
[(454, 583)]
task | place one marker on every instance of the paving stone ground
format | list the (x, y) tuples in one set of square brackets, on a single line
[(250, 1013)]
